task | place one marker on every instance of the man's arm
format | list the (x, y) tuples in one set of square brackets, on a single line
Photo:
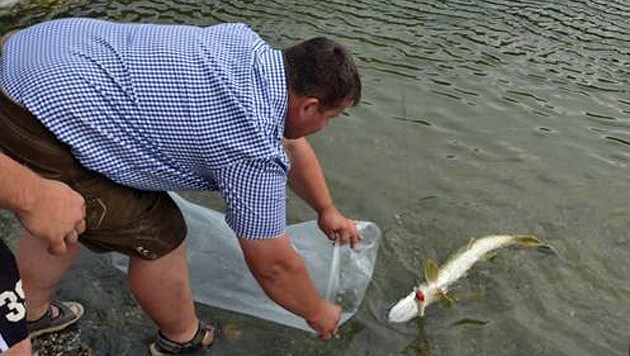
[(307, 180), (282, 274), (48, 209)]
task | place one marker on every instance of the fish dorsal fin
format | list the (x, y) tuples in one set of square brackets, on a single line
[(448, 302), (471, 242), (431, 271)]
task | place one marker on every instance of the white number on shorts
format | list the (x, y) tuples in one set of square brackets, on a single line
[(10, 299)]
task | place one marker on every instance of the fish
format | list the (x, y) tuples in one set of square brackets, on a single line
[(439, 279)]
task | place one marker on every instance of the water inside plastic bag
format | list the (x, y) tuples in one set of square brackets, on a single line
[(220, 277)]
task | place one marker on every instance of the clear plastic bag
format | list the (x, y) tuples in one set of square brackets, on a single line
[(220, 277)]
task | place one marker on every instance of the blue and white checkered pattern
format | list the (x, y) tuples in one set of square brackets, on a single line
[(163, 107)]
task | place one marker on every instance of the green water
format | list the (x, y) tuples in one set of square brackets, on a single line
[(478, 117)]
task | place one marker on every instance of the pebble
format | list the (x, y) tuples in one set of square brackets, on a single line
[(66, 343)]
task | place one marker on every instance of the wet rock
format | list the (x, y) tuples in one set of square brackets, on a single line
[(66, 343), (7, 3), (9, 228)]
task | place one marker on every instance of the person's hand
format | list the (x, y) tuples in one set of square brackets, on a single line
[(326, 321), (338, 228), (54, 213)]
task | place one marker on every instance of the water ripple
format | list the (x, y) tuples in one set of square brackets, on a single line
[(514, 114)]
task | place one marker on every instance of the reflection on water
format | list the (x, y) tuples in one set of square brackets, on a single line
[(479, 117)]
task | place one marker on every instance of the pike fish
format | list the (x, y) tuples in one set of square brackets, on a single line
[(438, 280)]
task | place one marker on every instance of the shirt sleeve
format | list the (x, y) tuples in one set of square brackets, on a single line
[(254, 192)]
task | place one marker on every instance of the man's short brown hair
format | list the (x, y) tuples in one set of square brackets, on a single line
[(322, 68)]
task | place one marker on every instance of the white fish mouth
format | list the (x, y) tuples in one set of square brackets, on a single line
[(405, 310)]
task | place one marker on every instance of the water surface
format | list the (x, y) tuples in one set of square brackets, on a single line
[(478, 117)]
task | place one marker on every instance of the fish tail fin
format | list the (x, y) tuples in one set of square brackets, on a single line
[(533, 242)]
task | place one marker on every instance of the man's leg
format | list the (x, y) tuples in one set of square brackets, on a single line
[(41, 272), (162, 289)]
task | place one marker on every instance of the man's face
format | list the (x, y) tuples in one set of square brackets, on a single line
[(306, 117)]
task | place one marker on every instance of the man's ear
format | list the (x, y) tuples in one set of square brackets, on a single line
[(311, 105)]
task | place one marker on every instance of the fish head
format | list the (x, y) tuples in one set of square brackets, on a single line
[(421, 300), (408, 307)]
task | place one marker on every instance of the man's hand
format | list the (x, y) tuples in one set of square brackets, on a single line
[(53, 212), (282, 274), (338, 228), (326, 322), (307, 180)]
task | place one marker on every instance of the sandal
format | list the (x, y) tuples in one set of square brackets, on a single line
[(48, 324), (164, 346)]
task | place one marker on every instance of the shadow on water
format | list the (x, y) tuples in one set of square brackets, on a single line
[(478, 118)]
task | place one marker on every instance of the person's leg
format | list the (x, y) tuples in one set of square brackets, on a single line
[(41, 272), (162, 289), (22, 348), (13, 332), (27, 141)]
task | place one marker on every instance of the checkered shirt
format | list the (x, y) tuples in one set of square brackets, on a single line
[(163, 107)]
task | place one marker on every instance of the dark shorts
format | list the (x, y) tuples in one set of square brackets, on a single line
[(12, 307), (145, 224)]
